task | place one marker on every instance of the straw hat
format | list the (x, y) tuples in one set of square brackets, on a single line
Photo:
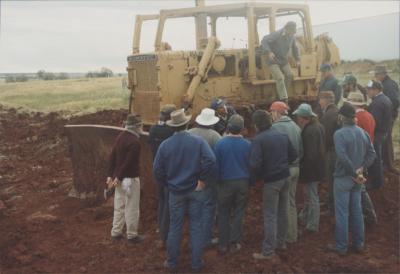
[(356, 99), (178, 118)]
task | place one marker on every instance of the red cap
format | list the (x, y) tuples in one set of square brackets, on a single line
[(279, 106)]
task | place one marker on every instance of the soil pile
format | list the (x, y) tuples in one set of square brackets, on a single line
[(44, 230)]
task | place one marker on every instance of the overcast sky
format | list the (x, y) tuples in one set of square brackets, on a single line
[(78, 36)]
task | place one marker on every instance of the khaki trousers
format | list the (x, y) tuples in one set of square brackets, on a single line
[(283, 77), (126, 209)]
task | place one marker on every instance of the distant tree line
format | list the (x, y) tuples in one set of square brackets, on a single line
[(104, 72), (46, 76), (16, 78)]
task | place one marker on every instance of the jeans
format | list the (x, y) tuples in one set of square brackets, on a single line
[(291, 235), (348, 202), (330, 162), (179, 204), (126, 209), (209, 209), (275, 201), (311, 211), (163, 212), (375, 171), (283, 77), (232, 202)]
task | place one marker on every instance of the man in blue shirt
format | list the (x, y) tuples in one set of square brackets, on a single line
[(355, 153), (232, 152), (271, 154), (183, 163)]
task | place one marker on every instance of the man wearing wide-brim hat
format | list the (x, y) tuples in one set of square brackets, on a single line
[(183, 163), (312, 165), (205, 122), (391, 90), (123, 174)]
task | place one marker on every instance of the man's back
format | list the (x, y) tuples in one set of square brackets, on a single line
[(391, 90), (381, 110), (157, 134), (182, 160), (286, 126), (208, 134), (232, 153), (271, 154), (329, 121), (125, 155), (353, 149)]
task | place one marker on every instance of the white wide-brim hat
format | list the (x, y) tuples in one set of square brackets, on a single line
[(207, 117)]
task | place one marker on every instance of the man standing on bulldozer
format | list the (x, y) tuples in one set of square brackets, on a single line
[(277, 45)]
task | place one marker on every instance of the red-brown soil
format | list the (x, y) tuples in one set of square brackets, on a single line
[(44, 230)]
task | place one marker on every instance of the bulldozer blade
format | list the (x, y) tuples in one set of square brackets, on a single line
[(90, 147)]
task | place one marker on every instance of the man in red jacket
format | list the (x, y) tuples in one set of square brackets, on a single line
[(123, 173)]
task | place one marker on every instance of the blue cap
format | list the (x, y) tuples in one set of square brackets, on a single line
[(304, 110), (217, 103), (325, 67)]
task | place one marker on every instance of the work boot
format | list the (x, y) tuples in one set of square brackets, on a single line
[(169, 268), (260, 256), (332, 248), (115, 238), (137, 239)]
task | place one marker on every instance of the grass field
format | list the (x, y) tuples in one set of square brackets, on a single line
[(73, 96)]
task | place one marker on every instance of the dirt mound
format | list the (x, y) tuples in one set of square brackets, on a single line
[(44, 230)]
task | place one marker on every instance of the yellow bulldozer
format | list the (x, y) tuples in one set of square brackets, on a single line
[(191, 79)]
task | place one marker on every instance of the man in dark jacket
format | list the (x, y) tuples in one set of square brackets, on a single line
[(329, 82), (123, 173), (391, 90), (270, 157), (157, 134), (312, 165), (329, 120), (277, 45), (184, 162), (381, 110)]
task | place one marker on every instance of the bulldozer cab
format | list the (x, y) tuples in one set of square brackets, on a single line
[(192, 78)]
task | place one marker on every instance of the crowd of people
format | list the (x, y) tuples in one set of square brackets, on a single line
[(205, 172)]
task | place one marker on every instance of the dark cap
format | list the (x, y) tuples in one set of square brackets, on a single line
[(347, 110), (168, 109), (217, 103), (325, 67), (349, 79), (236, 123), (374, 85), (291, 25)]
